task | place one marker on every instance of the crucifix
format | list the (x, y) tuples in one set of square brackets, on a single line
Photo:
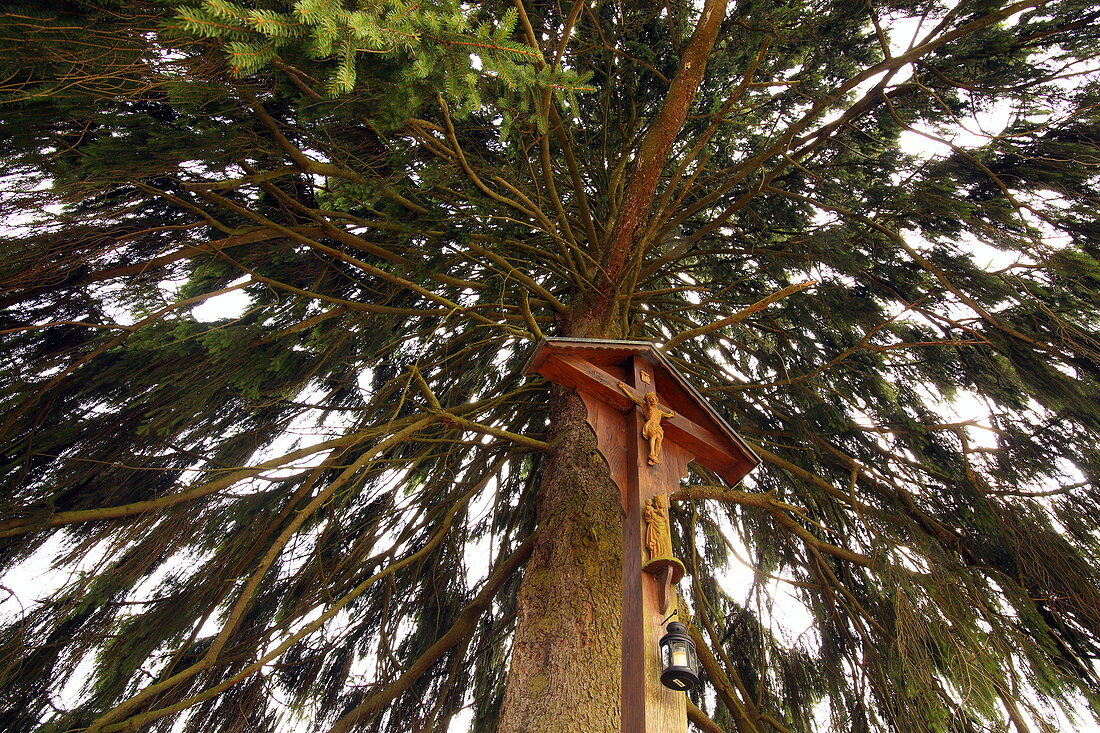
[(649, 423)]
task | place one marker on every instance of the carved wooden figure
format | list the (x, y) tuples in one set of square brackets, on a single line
[(651, 430), (658, 536), (658, 543)]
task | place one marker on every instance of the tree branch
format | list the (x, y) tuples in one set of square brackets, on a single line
[(738, 316)]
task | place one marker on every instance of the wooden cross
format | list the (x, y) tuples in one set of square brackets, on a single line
[(649, 423)]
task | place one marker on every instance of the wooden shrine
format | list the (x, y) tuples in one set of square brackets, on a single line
[(649, 423)]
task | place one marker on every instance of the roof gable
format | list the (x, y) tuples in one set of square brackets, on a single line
[(595, 366)]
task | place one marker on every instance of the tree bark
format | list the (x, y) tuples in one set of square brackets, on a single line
[(564, 674)]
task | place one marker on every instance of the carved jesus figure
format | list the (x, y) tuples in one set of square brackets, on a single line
[(651, 430)]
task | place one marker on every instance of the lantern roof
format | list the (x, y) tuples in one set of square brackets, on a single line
[(595, 366)]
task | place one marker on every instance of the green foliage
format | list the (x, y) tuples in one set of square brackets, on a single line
[(249, 243), (434, 42)]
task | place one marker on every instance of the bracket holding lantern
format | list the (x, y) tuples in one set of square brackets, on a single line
[(650, 422)]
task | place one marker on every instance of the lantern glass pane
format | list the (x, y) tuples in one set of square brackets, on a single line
[(692, 659), (679, 652)]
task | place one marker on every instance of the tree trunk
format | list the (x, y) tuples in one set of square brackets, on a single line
[(565, 669)]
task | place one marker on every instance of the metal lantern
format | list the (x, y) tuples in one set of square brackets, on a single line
[(681, 663)]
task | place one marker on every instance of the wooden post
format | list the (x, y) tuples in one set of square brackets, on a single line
[(693, 432), (648, 706)]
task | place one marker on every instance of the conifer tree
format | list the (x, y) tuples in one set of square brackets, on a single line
[(345, 507)]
